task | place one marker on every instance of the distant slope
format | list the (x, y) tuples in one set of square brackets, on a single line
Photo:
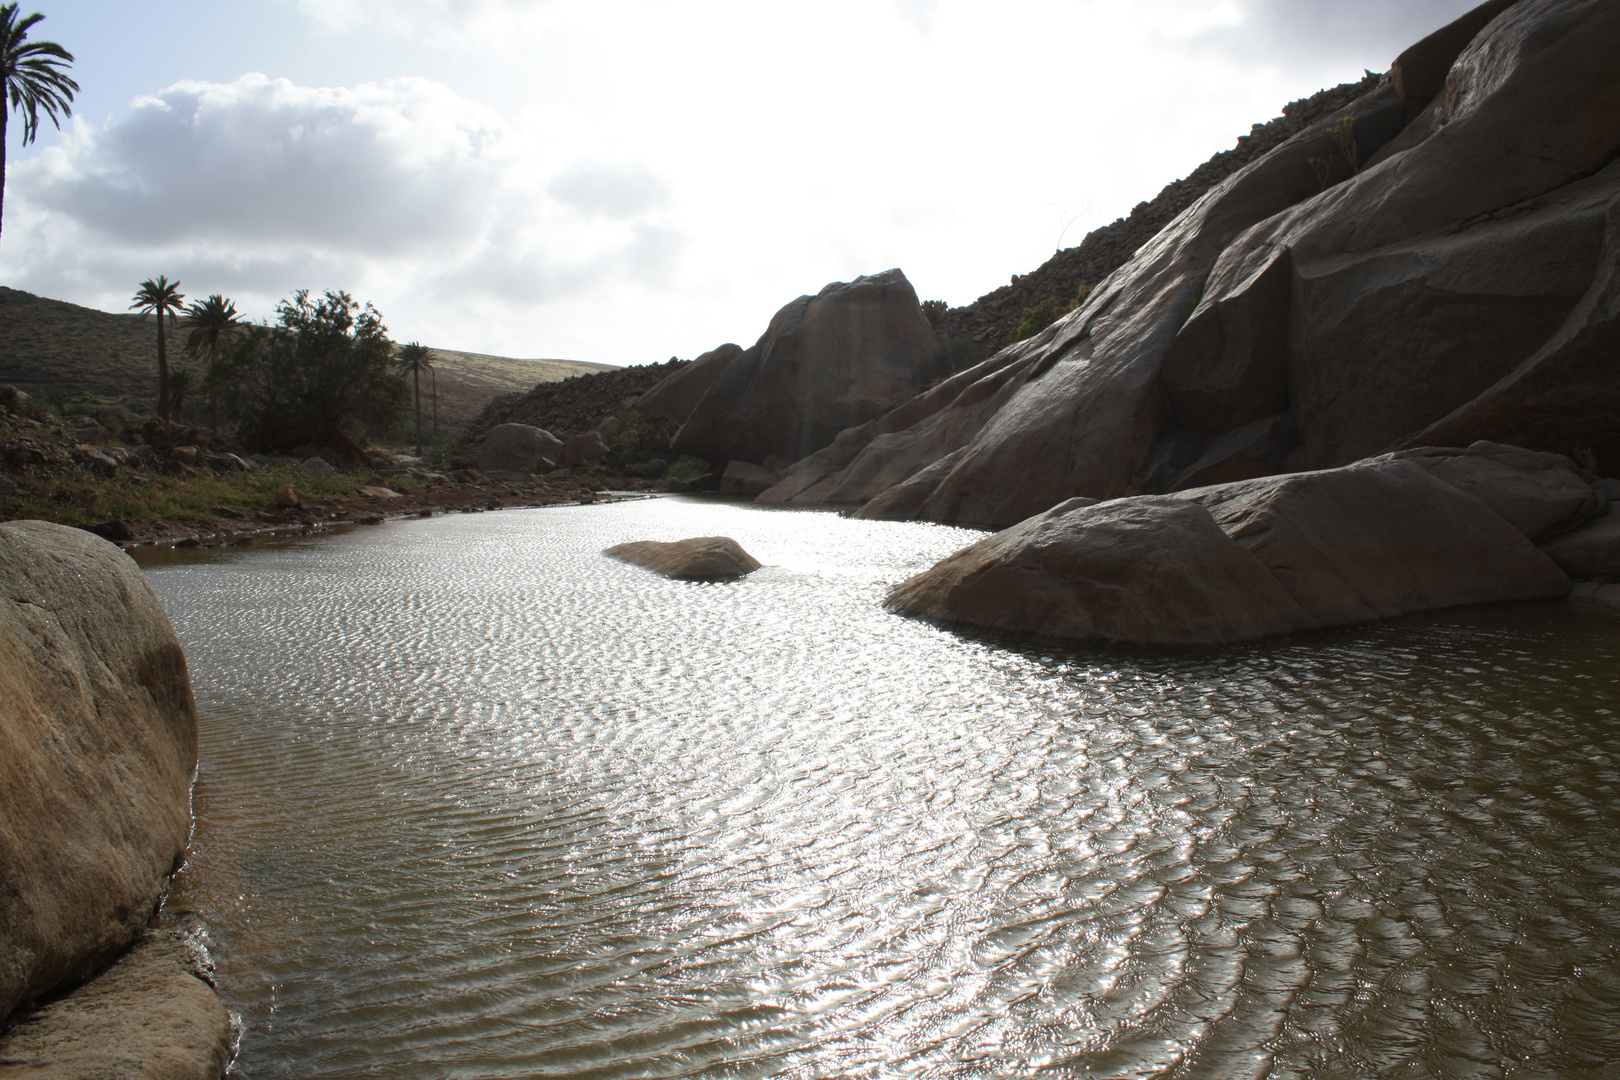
[(61, 351)]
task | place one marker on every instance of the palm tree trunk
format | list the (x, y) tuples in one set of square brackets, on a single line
[(163, 370), (433, 377), (5, 112), (416, 372)]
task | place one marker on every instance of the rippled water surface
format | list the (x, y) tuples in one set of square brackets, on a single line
[(476, 801)]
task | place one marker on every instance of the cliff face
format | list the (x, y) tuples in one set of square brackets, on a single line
[(1434, 262)]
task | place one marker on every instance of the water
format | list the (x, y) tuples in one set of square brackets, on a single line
[(475, 801)]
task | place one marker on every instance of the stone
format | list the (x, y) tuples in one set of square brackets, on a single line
[(519, 448), (1239, 561), (1149, 570), (586, 449), (1591, 551), (741, 478), (317, 467), (610, 427), (92, 433), (372, 491), (185, 455), (285, 499), (227, 462), (98, 742), (676, 395), (1608, 488), (99, 463), (703, 558), (1540, 494), (8, 486), (826, 362), (1420, 72), (151, 1015)]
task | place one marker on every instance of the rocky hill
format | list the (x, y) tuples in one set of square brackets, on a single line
[(989, 320), (567, 407)]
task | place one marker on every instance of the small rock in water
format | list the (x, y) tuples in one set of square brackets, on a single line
[(702, 558)]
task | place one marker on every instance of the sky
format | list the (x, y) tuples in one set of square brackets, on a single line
[(621, 181)]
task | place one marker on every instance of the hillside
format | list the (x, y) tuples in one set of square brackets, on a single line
[(61, 352)]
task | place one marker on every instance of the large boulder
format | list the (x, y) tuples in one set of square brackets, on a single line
[(675, 396), (1592, 551), (586, 449), (702, 558), (1433, 265), (98, 741), (827, 362), (518, 448), (1239, 561), (1539, 494)]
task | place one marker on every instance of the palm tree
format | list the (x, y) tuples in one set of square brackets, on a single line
[(179, 383), (213, 323), (31, 79), (161, 298), (413, 360)]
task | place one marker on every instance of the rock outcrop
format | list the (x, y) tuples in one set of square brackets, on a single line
[(151, 1016), (98, 741), (1240, 561), (703, 558), (676, 395), (827, 362), (1435, 260), (518, 448)]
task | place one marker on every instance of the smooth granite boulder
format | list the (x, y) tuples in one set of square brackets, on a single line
[(519, 448), (586, 449), (827, 362), (1154, 569), (702, 558), (98, 741), (675, 396), (1240, 561), (1540, 494)]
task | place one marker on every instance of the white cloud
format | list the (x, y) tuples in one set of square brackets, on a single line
[(394, 190)]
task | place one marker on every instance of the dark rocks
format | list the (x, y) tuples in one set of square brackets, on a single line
[(1539, 494), (519, 448), (569, 407), (835, 360), (677, 394), (1592, 551), (741, 478), (1239, 561), (703, 558), (317, 467), (286, 499), (586, 449)]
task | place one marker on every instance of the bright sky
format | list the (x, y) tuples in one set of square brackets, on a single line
[(625, 180)]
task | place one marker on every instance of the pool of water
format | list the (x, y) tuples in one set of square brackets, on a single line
[(476, 801)]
